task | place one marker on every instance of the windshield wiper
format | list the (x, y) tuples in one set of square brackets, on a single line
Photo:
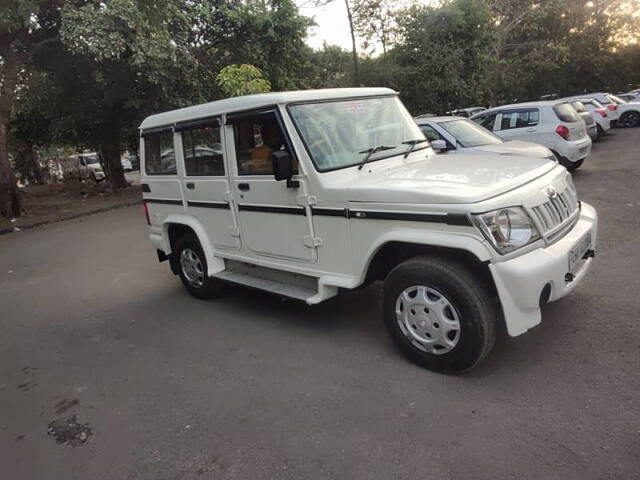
[(412, 144), (371, 151)]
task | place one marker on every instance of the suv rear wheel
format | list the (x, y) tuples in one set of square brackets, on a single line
[(438, 314), (192, 268)]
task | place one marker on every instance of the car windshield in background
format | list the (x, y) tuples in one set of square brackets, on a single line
[(91, 160), (617, 100), (339, 133), (470, 134), (566, 112)]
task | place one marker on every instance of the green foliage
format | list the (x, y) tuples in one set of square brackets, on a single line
[(236, 80)]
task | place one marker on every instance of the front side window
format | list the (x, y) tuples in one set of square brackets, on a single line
[(430, 133), (487, 121), (159, 155), (257, 137), (202, 150), (519, 119), (340, 133), (470, 134)]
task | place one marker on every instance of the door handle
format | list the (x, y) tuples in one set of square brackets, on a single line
[(191, 186), (243, 186)]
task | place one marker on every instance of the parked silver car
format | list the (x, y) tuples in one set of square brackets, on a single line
[(461, 135)]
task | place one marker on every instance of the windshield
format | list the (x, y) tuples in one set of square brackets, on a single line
[(470, 134), (595, 103), (617, 100), (339, 133)]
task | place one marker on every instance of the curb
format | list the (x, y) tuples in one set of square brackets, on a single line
[(4, 231)]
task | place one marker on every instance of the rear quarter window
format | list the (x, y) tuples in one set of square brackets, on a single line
[(566, 113)]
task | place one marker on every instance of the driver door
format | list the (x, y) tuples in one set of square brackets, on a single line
[(272, 223)]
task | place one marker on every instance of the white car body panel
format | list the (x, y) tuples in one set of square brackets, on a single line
[(331, 226)]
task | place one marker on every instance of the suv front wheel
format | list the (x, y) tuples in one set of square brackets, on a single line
[(192, 268), (437, 312)]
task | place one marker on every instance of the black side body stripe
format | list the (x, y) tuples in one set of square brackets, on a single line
[(163, 201), (269, 209), (222, 205)]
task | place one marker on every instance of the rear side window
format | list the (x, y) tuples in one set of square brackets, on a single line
[(159, 155), (566, 113), (520, 118), (202, 150)]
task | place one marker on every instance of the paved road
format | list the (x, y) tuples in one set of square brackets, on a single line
[(251, 387)]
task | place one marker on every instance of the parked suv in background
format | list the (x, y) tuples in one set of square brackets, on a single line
[(629, 97), (455, 135), (587, 118), (605, 99), (320, 191), (554, 124)]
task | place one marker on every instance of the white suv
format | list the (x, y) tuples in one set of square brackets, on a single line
[(554, 124), (305, 194)]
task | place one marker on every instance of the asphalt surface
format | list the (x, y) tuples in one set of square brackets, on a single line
[(253, 387)]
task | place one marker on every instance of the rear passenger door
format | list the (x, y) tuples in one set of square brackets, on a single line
[(519, 124), (161, 189), (205, 183)]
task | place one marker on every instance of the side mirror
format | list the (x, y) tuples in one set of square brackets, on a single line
[(439, 145), (282, 165)]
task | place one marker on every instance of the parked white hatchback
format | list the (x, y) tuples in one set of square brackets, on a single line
[(600, 114), (320, 191), (554, 124), (454, 135)]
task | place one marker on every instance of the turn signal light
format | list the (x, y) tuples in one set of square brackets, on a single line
[(563, 131)]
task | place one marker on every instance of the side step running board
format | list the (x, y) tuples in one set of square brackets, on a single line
[(298, 292)]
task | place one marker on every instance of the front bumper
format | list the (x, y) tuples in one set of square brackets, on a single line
[(521, 280)]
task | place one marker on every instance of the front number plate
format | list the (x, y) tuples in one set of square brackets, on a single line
[(577, 252)]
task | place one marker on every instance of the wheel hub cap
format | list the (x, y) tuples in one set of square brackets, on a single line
[(192, 267), (428, 319)]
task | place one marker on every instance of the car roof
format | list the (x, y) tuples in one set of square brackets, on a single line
[(440, 119), (261, 100), (510, 106)]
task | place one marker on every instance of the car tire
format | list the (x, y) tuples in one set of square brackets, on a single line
[(191, 265), (600, 133), (630, 119), (573, 166), (449, 324)]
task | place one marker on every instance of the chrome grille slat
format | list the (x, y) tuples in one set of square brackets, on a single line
[(556, 214)]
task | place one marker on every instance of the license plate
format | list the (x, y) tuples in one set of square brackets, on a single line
[(577, 252)]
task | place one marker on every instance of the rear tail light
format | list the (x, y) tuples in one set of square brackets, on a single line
[(563, 131), (146, 212), (613, 107), (602, 112)]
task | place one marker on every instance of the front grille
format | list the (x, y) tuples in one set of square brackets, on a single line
[(557, 212)]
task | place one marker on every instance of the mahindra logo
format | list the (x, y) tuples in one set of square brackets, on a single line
[(550, 192)]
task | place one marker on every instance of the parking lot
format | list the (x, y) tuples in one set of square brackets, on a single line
[(250, 386)]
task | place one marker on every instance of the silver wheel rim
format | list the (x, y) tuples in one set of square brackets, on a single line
[(428, 319), (192, 267)]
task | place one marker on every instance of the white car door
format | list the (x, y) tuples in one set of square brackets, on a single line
[(206, 187), (272, 222), (519, 124)]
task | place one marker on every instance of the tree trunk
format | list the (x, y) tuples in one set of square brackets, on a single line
[(33, 164), (354, 52), (9, 200), (110, 152)]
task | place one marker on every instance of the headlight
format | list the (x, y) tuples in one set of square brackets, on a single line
[(507, 229)]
